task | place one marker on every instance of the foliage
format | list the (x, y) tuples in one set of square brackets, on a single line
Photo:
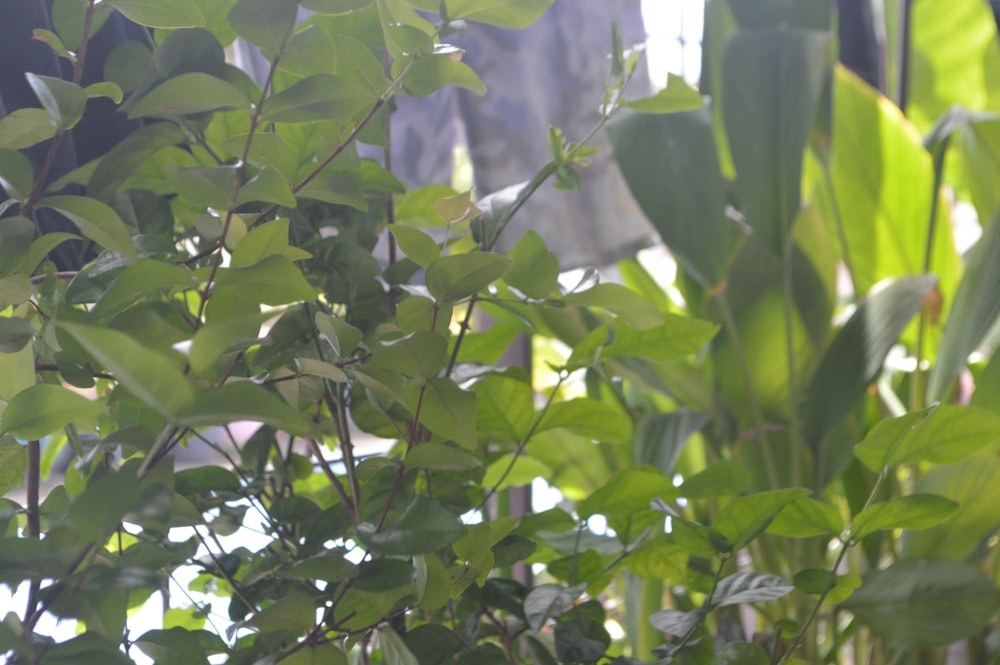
[(740, 449)]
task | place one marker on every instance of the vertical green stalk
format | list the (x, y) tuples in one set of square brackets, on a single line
[(643, 598)]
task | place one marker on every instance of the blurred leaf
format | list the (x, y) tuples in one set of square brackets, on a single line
[(264, 23), (919, 604), (677, 96), (807, 517), (274, 280), (13, 465), (64, 101), (296, 612), (627, 492), (549, 601), (772, 81), (318, 98), (514, 14), (676, 622), (535, 270), (661, 437), (635, 310), (914, 511), (23, 128), (425, 526), (16, 174), (855, 357), (678, 338), (145, 373), (721, 478), (161, 13), (941, 435), (178, 646), (438, 456), (15, 333), (45, 408), (242, 400), (189, 94), (96, 221), (460, 275), (16, 237), (744, 518), (589, 418), (417, 245), (741, 653), (394, 650)]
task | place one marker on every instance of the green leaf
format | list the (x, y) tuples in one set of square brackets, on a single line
[(105, 89), (319, 654), (721, 478), (439, 456), (677, 96), (425, 526), (675, 622), (920, 604), (445, 409), (460, 275), (217, 336), (973, 313), (417, 245), (16, 175), (627, 492), (17, 235), (87, 649), (45, 408), (126, 157), (140, 278), (178, 646), (40, 249), (264, 23), (394, 650), (343, 337), (941, 435), (318, 98), (589, 418), (805, 518), (855, 357), (336, 188), (189, 94), (635, 310), (535, 270), (96, 221), (321, 369), (419, 354), (13, 465), (274, 280), (99, 510), (242, 400), (385, 575), (64, 101), (23, 128), (678, 338), (817, 582), (432, 72), (916, 511), (972, 484), (336, 6), (268, 186), (515, 14), (296, 612), (744, 518), (515, 471), (262, 241), (161, 13), (772, 80), (549, 601), (504, 405), (14, 290), (147, 374), (15, 333)]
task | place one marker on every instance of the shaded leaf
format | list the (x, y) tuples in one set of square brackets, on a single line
[(915, 511), (45, 408), (242, 400), (460, 275), (749, 588), (96, 221), (425, 526)]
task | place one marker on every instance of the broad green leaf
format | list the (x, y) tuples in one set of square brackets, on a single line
[(439, 456), (915, 511), (635, 310), (919, 604), (425, 526), (13, 465), (143, 277), (627, 492), (105, 89), (161, 13), (661, 438), (749, 588), (321, 369), (216, 336), (394, 650), (318, 98), (296, 612), (589, 418), (535, 270), (972, 484), (242, 400), (973, 313), (16, 174), (676, 622), (419, 354), (515, 471), (14, 290), (99, 510), (772, 80), (406, 33), (855, 357), (40, 249), (23, 128), (87, 649), (677, 96), (266, 149), (818, 581), (678, 338), (274, 280), (264, 240), (885, 225), (319, 654), (721, 478), (264, 23), (417, 245), (337, 188), (64, 101), (18, 370), (96, 221), (122, 160), (941, 435), (976, 145), (385, 575), (147, 374), (504, 404), (432, 72), (268, 186), (515, 14), (16, 237), (445, 409), (15, 333), (696, 539), (52, 40), (343, 337), (206, 186), (45, 408), (189, 94), (744, 518), (460, 275), (805, 518), (176, 645), (418, 206), (549, 601)]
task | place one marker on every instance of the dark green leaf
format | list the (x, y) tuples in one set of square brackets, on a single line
[(446, 410), (419, 354), (919, 604), (439, 456), (744, 518), (318, 98), (425, 526), (722, 478), (394, 650), (460, 275), (384, 575), (295, 612), (328, 567), (189, 94), (142, 277), (741, 653), (264, 23), (549, 601), (16, 237), (242, 400), (675, 622)]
